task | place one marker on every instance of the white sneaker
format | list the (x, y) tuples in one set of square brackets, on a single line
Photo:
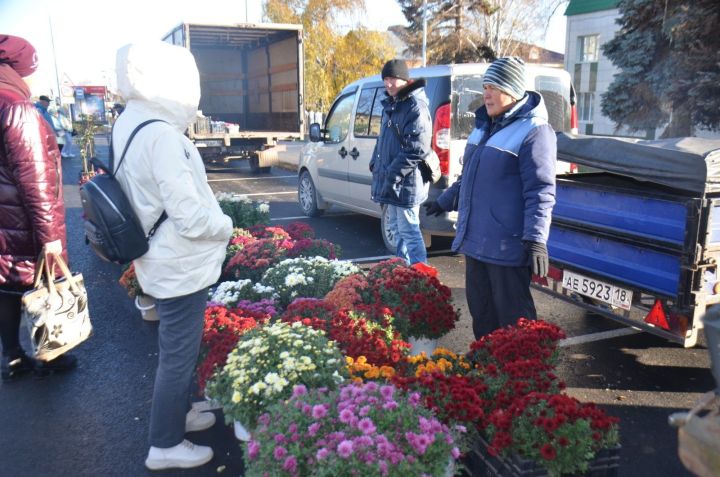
[(198, 421), (184, 455)]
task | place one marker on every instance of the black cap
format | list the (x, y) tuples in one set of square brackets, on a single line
[(396, 69), (44, 98)]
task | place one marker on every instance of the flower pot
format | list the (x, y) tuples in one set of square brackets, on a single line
[(479, 462), (146, 305), (241, 433), (209, 404), (450, 469), (420, 345)]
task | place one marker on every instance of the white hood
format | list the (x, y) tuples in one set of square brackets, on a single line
[(163, 77)]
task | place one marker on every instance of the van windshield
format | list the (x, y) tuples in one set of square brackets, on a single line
[(467, 97)]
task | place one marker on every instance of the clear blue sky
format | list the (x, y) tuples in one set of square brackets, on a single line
[(87, 33)]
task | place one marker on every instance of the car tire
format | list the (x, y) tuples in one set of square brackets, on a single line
[(307, 196), (389, 238)]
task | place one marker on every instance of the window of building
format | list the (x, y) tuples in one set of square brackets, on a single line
[(585, 106), (588, 47)]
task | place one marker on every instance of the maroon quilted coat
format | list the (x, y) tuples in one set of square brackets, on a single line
[(31, 199)]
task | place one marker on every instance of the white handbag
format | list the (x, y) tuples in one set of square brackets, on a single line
[(56, 309)]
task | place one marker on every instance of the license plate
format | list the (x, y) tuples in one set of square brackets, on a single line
[(597, 289)]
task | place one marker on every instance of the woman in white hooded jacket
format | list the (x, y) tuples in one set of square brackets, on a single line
[(163, 171)]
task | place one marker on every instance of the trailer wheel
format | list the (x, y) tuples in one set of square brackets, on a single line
[(307, 196), (255, 166)]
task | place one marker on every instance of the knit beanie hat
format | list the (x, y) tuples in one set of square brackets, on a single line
[(396, 69), (19, 54), (508, 75)]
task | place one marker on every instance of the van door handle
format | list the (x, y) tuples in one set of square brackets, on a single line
[(343, 152), (354, 153)]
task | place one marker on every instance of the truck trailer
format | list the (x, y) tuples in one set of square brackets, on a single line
[(251, 82), (636, 237)]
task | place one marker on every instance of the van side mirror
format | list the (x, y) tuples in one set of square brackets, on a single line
[(315, 133)]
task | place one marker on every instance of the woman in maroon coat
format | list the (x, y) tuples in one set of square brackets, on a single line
[(31, 200)]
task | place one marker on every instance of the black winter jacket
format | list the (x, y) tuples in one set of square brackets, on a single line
[(405, 137)]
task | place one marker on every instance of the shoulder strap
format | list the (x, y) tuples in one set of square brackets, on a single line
[(159, 221), (127, 144), (164, 215)]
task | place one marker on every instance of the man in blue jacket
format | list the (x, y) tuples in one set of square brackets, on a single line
[(404, 141), (42, 105), (504, 199)]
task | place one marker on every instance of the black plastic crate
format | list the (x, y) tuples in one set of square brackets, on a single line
[(479, 463)]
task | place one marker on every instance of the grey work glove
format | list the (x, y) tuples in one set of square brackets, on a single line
[(433, 208), (538, 256)]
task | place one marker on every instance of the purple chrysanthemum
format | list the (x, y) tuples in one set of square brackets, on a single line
[(345, 449)]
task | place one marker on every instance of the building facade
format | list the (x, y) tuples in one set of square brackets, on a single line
[(590, 24)]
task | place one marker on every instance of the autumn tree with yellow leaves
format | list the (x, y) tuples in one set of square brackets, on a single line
[(332, 58)]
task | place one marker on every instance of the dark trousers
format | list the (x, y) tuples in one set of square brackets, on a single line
[(179, 336), (10, 320), (497, 295)]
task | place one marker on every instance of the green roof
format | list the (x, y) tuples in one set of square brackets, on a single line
[(578, 7)]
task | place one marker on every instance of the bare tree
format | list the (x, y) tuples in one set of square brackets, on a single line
[(473, 30), (513, 22)]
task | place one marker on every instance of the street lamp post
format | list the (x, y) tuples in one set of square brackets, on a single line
[(57, 77)]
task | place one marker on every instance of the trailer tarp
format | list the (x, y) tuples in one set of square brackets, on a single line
[(688, 163)]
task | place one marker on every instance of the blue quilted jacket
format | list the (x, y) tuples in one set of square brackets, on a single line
[(507, 189)]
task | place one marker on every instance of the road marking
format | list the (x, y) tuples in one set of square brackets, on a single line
[(251, 178), (299, 217), (603, 335), (269, 193)]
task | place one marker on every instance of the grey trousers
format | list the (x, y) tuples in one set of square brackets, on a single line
[(179, 335), (497, 295)]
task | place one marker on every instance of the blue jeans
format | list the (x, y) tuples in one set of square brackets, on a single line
[(405, 226)]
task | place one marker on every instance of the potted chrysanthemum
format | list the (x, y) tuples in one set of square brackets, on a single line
[(421, 305), (243, 211), (143, 302), (358, 429), (305, 277), (230, 293), (265, 365)]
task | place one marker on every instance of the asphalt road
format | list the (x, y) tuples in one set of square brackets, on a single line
[(93, 421)]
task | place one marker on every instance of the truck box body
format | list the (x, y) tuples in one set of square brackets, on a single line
[(645, 225), (251, 80)]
